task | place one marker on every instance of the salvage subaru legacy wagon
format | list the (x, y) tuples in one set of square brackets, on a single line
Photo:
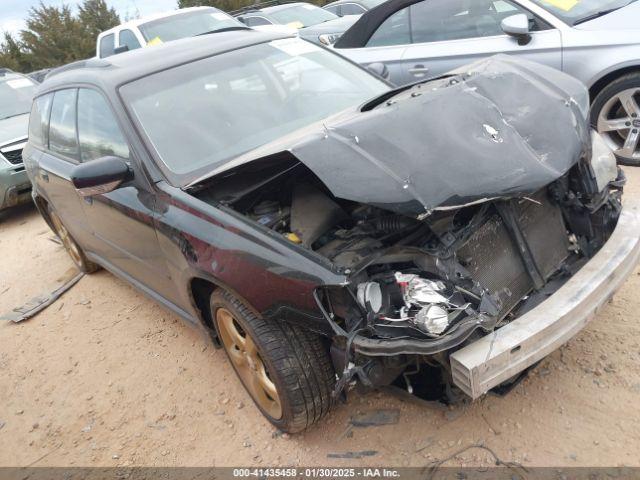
[(329, 231)]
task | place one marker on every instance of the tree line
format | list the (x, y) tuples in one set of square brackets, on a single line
[(55, 35)]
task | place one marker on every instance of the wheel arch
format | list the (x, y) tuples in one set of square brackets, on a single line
[(200, 288), (601, 83), (42, 205)]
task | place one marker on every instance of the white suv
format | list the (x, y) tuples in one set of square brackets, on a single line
[(163, 27)]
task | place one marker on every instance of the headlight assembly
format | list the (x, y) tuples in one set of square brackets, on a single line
[(603, 162)]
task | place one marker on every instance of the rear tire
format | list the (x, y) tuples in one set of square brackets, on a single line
[(285, 369), (615, 114), (70, 245)]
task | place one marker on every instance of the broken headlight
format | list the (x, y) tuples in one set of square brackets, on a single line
[(603, 162), (410, 300)]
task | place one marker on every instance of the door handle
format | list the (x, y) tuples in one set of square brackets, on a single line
[(44, 175), (419, 70)]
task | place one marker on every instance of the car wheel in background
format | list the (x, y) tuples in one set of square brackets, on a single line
[(73, 249), (286, 370), (615, 114)]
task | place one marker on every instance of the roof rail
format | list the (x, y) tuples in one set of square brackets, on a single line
[(89, 63), (260, 5)]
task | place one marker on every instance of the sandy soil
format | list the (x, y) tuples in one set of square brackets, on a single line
[(107, 377)]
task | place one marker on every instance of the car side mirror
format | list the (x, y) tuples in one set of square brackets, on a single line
[(100, 176), (121, 49), (379, 69), (517, 26)]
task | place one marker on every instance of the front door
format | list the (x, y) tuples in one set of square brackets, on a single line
[(122, 221)]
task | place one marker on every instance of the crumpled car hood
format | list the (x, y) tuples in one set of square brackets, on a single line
[(499, 128)]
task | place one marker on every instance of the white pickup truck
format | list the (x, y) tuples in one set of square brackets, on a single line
[(163, 27)]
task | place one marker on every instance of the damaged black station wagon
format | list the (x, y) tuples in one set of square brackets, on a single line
[(329, 231)]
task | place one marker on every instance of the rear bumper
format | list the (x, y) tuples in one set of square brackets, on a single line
[(501, 355)]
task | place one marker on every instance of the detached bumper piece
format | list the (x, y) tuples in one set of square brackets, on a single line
[(501, 355)]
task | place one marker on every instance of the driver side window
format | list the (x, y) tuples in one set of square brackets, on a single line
[(98, 130)]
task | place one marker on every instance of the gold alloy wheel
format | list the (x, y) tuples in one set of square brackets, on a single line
[(247, 361), (69, 243)]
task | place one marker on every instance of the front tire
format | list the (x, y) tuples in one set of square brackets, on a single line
[(70, 245), (615, 114), (286, 370)]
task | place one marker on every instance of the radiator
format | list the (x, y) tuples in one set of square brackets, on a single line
[(492, 257)]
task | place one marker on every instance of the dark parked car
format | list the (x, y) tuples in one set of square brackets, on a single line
[(316, 222)]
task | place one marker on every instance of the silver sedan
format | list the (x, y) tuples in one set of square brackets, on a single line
[(597, 41)]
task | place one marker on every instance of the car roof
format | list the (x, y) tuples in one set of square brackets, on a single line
[(156, 16), (109, 73)]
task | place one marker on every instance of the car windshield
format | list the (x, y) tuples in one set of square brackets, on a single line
[(301, 15), (16, 95), (186, 25), (203, 114), (576, 11)]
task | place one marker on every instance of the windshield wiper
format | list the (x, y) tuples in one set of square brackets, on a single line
[(14, 115), (601, 13), (225, 29), (380, 99)]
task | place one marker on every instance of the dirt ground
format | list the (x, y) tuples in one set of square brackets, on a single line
[(107, 377)]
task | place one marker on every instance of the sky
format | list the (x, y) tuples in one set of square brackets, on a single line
[(13, 12)]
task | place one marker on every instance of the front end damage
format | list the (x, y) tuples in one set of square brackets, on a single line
[(454, 209)]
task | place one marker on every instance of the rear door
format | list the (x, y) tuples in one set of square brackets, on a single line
[(53, 173), (446, 34)]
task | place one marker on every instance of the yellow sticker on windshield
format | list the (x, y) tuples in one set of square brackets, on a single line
[(565, 5), (155, 41), (295, 24)]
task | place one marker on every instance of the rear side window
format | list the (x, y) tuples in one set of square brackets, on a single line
[(62, 128), (39, 121), (352, 9), (128, 38), (107, 45), (98, 130)]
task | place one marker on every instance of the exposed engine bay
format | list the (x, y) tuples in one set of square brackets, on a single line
[(430, 278)]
